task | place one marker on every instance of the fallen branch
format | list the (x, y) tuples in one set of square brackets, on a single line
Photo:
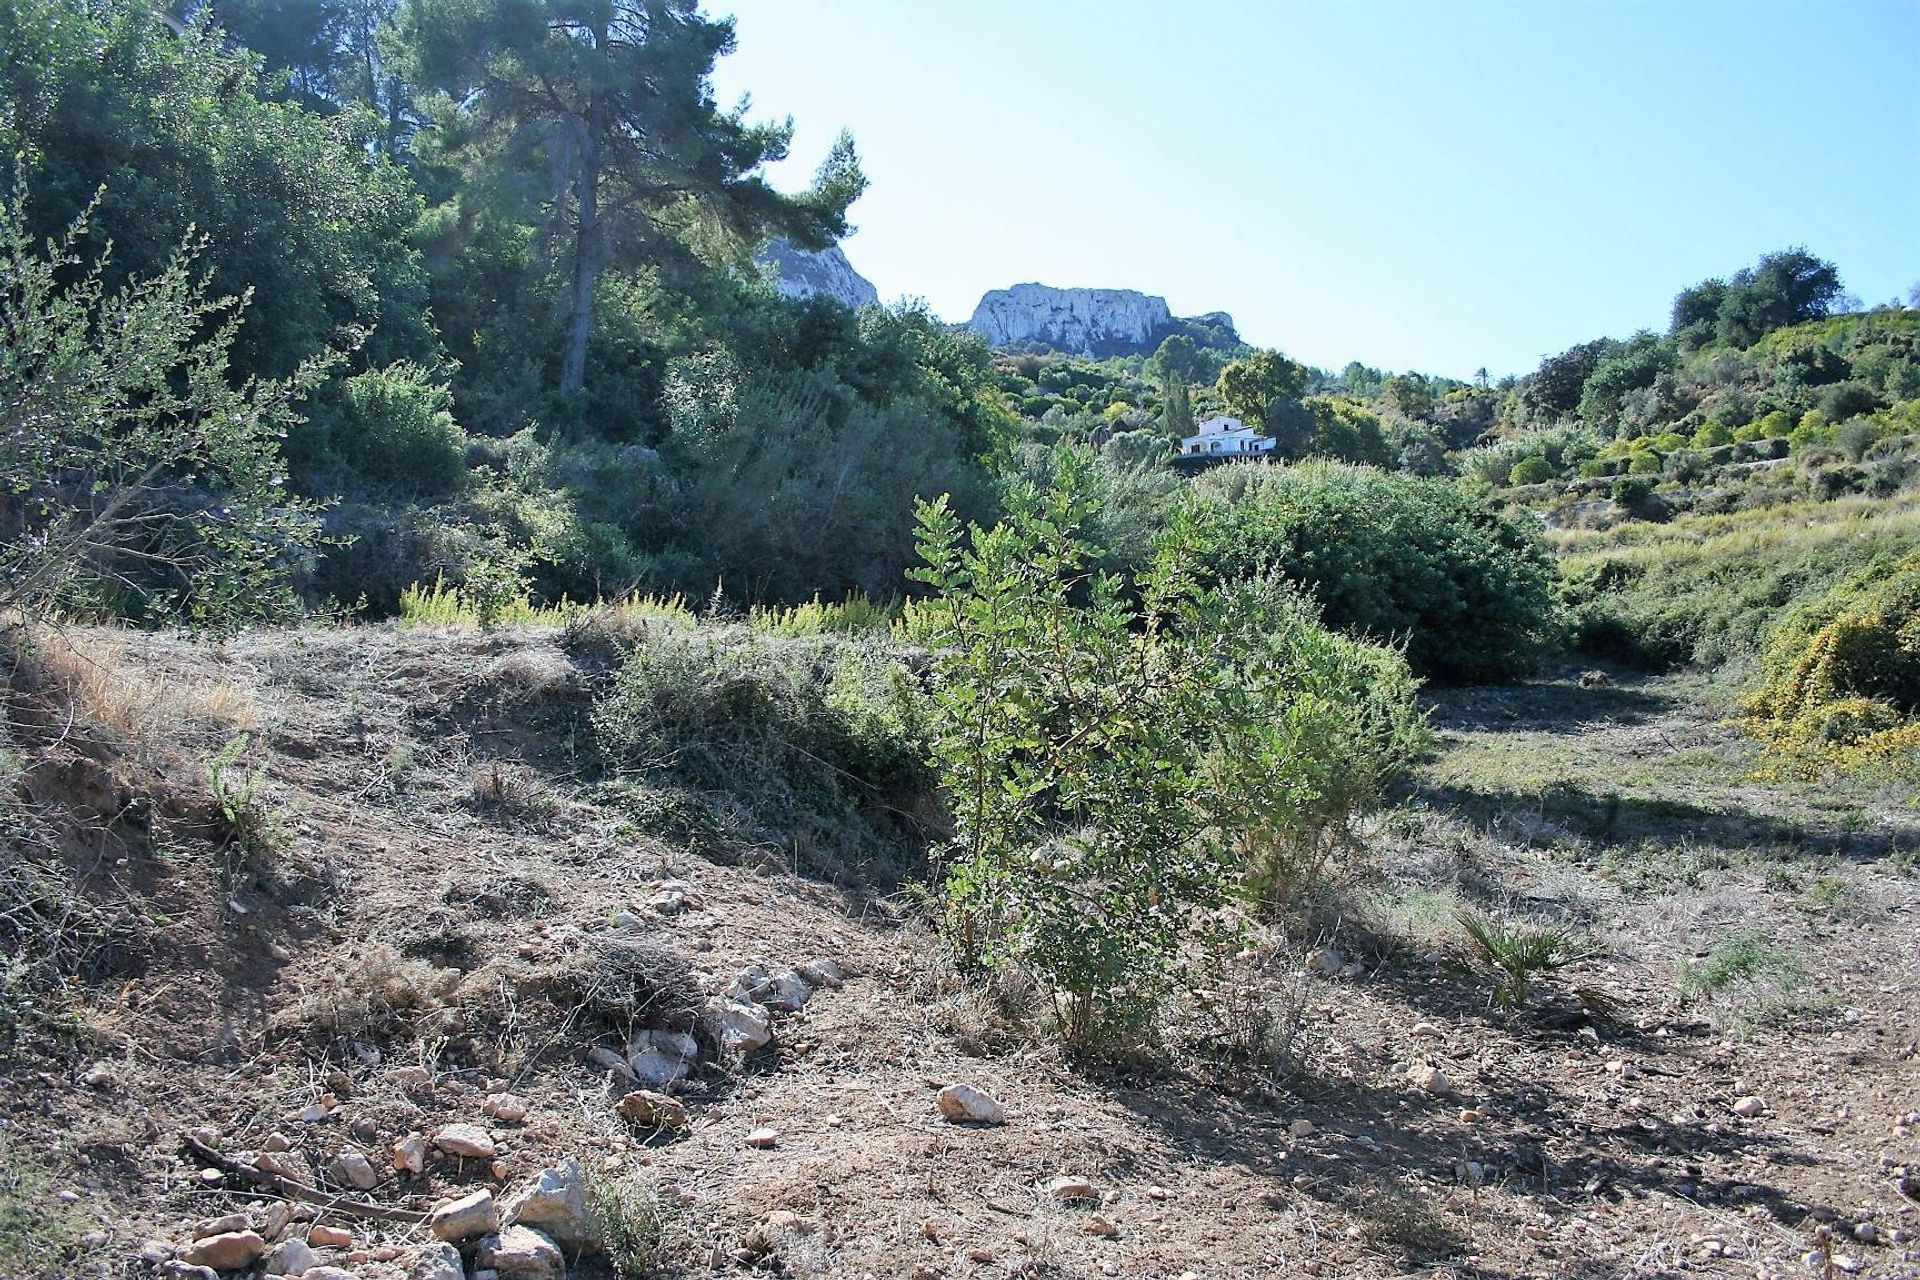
[(293, 1190)]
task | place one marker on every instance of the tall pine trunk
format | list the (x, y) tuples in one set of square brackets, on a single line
[(573, 373)]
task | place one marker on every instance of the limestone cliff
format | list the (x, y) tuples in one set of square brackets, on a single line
[(799, 273), (1096, 322)]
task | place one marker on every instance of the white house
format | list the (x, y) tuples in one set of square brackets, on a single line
[(1224, 437)]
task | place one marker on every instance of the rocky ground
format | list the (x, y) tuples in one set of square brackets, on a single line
[(452, 990)]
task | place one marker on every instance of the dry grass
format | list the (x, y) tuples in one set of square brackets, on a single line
[(375, 994), (143, 711)]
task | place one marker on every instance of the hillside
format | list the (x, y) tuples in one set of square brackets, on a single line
[(455, 906)]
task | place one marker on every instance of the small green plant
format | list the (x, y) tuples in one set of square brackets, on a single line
[(857, 614), (1748, 958), (1829, 893), (250, 826), (632, 1223), (1518, 955)]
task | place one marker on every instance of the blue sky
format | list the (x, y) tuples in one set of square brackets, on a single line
[(1427, 184)]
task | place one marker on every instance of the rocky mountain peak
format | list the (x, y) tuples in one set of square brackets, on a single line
[(803, 273), (1095, 322)]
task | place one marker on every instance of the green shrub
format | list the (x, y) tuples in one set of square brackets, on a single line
[(1841, 677), (1711, 590), (1530, 471), (395, 427), (1389, 557), (1124, 760)]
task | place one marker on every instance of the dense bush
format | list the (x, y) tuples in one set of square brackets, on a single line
[(1841, 676), (394, 428), (134, 478), (1389, 557), (1123, 761), (1713, 600)]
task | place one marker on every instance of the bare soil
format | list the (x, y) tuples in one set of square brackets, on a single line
[(441, 834)]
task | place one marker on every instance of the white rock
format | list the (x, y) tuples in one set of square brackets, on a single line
[(803, 273), (762, 1139), (968, 1103), (739, 1027), (508, 1108), (1069, 1187), (354, 1170), (662, 1058), (602, 1056), (522, 1253), (437, 1262), (1303, 1128), (286, 1164), (1426, 1076), (785, 991), (290, 1258), (555, 1202), (822, 972), (410, 1153), (1087, 321), (1749, 1107), (219, 1226), (330, 1273), (466, 1140), (473, 1214)]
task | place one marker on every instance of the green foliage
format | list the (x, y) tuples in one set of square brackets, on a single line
[(1391, 558), (1841, 675), (1518, 955), (1533, 470), (1627, 366), (1746, 957), (856, 615), (617, 98), (394, 426), (1252, 383), (1710, 590), (134, 477), (177, 132), (1123, 760), (1563, 447), (631, 1224), (1554, 390)]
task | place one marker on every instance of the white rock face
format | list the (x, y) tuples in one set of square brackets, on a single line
[(798, 273), (1084, 320)]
